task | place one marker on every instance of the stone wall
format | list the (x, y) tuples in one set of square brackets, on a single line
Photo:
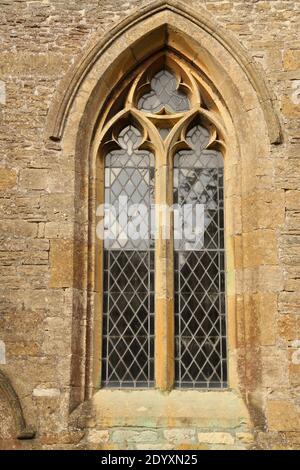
[(39, 214)]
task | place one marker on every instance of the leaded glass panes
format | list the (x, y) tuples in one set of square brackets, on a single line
[(164, 93), (199, 279), (158, 113), (128, 306)]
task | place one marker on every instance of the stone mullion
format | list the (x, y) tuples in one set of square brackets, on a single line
[(164, 285)]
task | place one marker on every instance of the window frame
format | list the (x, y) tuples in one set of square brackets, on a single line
[(164, 152)]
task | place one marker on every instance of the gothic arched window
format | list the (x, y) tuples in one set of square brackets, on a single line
[(164, 322)]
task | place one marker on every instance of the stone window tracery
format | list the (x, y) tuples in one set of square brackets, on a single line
[(164, 322)]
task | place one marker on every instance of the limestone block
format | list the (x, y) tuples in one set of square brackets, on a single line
[(59, 230), (260, 248), (97, 436), (289, 302), (29, 62), (17, 229), (245, 437), (57, 207), (46, 392), (294, 364), (263, 209), (22, 348), (215, 438), (290, 251), (61, 263), (292, 280), (33, 179), (293, 222), (274, 368), (282, 415), (260, 278), (57, 336), (126, 435), (48, 180), (291, 59), (180, 435), (292, 200), (261, 309), (8, 178), (290, 108), (72, 437), (289, 326)]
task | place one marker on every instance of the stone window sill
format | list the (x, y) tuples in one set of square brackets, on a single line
[(222, 409)]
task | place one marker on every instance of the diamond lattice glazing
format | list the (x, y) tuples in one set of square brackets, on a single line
[(200, 325), (128, 306)]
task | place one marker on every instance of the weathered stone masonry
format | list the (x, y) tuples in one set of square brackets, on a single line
[(58, 62)]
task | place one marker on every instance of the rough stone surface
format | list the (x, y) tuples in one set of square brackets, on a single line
[(98, 436), (126, 436), (44, 189), (283, 416), (177, 436), (216, 438)]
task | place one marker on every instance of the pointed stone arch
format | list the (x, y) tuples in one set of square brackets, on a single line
[(166, 23), (240, 93)]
